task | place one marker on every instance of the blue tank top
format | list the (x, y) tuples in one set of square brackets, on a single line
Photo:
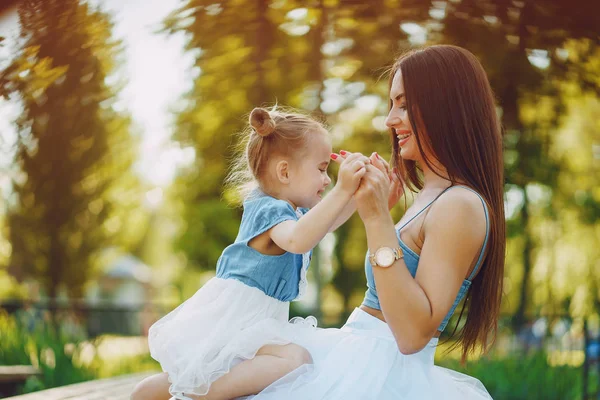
[(282, 277), (411, 259)]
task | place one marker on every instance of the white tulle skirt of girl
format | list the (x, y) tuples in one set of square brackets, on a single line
[(362, 361), (223, 324)]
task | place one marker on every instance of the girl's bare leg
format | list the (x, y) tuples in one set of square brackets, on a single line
[(155, 387), (248, 377), (251, 376)]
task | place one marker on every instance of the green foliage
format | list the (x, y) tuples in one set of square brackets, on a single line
[(212, 226), (74, 149), (520, 378), (54, 351), (63, 356)]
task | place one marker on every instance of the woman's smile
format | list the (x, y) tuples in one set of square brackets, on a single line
[(403, 137)]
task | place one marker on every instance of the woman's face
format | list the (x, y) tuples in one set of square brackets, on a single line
[(399, 121)]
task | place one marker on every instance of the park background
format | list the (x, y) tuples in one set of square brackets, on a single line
[(117, 127)]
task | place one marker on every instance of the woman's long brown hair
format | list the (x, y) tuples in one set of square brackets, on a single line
[(452, 111)]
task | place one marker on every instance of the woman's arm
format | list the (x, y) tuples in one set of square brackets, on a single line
[(454, 232)]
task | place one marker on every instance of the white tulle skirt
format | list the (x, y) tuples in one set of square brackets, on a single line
[(362, 361), (224, 323)]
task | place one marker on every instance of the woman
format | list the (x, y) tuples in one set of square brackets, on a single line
[(448, 247)]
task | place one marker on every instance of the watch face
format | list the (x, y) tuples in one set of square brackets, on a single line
[(385, 257)]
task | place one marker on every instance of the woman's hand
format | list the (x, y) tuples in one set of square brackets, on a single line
[(396, 190), (373, 195), (397, 186)]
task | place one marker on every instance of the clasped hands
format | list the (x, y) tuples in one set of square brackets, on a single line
[(379, 189)]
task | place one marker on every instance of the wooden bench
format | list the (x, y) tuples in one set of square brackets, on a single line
[(11, 376), (117, 388)]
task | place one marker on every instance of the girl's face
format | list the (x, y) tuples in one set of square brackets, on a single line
[(308, 172), (399, 121)]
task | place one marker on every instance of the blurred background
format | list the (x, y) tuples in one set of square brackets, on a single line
[(117, 128)]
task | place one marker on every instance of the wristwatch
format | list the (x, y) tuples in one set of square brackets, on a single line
[(384, 257)]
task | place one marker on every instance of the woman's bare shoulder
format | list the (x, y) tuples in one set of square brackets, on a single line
[(458, 210)]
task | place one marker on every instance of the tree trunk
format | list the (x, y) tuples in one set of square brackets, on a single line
[(519, 317)]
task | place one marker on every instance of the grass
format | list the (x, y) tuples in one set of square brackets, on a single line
[(65, 356)]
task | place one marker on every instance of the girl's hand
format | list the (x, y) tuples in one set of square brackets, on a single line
[(352, 169)]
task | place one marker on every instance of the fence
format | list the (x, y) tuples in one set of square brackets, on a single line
[(90, 319)]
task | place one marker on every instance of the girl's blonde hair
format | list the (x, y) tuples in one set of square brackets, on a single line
[(275, 132)]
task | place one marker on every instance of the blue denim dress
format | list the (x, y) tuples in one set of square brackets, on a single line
[(282, 277)]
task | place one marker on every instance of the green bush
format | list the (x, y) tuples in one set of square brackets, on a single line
[(55, 352), (14, 343), (64, 356), (523, 377)]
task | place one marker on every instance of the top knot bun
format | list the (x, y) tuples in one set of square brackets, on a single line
[(261, 122)]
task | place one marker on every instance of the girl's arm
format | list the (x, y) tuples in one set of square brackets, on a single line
[(348, 211), (454, 231), (303, 235)]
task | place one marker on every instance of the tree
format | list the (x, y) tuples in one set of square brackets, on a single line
[(74, 149)]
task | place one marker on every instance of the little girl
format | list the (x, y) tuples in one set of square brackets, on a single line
[(232, 337)]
